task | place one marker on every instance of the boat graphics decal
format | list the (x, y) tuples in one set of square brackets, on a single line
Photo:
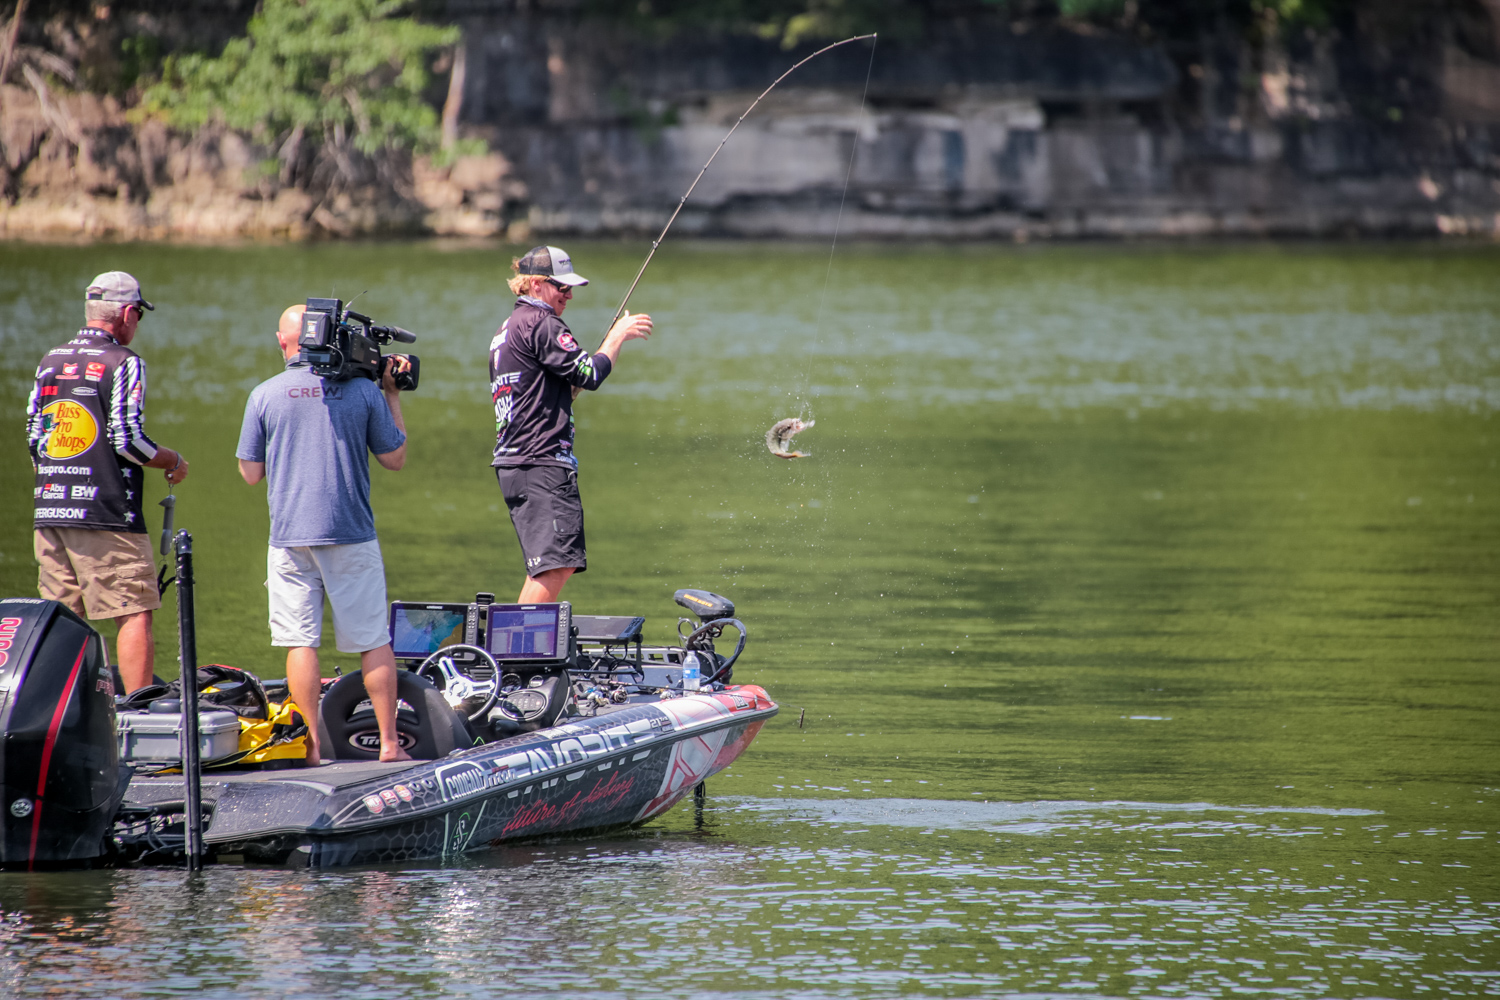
[(611, 770), (604, 796), (467, 777), (690, 762), (459, 830), (478, 772)]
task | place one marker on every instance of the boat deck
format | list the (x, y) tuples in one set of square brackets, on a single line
[(326, 778)]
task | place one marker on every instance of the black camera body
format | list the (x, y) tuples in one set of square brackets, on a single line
[(339, 344)]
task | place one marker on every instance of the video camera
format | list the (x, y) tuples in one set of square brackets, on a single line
[(339, 344)]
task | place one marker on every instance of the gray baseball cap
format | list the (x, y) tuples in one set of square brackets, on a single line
[(553, 262), (116, 286)]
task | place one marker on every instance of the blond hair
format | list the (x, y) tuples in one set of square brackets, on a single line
[(523, 284)]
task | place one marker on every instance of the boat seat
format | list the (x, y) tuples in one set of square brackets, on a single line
[(425, 724)]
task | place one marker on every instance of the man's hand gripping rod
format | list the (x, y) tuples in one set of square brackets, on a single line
[(657, 242)]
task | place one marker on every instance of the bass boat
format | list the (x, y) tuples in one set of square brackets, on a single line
[(528, 721)]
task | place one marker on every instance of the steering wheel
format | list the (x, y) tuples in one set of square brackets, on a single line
[(460, 690)]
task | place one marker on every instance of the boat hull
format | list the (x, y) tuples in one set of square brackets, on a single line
[(611, 770)]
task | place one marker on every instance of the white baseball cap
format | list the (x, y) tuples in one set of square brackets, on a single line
[(116, 286)]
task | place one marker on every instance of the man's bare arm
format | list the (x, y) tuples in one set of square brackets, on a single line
[(636, 326), (631, 326), (173, 462), (252, 472)]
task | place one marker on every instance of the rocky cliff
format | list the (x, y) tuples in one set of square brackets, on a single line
[(1023, 130), (78, 167)]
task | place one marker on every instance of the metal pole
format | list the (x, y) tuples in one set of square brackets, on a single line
[(192, 814)]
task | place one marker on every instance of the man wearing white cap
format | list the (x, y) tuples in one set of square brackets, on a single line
[(85, 424), (535, 368)]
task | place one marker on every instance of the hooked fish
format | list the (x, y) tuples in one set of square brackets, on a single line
[(779, 437)]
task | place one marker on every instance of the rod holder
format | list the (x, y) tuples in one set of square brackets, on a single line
[(187, 640)]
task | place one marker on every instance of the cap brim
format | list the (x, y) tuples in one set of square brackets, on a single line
[(146, 305), (570, 279)]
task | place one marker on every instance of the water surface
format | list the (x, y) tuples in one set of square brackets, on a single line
[(1139, 605)]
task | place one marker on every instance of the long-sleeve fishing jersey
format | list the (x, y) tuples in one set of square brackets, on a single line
[(534, 365), (85, 425)]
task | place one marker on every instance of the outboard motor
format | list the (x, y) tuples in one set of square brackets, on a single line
[(60, 774)]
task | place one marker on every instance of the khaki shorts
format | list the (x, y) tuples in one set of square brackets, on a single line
[(106, 574)]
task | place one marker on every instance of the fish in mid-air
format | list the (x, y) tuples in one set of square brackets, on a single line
[(779, 437)]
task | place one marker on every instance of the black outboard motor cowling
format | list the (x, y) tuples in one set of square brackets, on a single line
[(60, 776)]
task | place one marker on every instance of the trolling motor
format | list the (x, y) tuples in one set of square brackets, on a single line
[(715, 612)]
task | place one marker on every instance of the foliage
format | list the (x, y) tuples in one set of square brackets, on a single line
[(824, 20), (139, 55), (1309, 13), (792, 22), (1083, 9), (450, 154), (327, 67), (795, 22)]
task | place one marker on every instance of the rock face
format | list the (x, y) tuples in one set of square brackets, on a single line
[(1046, 133), (1018, 133), (77, 166)]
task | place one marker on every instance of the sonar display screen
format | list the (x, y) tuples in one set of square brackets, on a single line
[(419, 630), (528, 633)]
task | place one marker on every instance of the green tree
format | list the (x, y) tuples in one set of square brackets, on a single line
[(339, 70)]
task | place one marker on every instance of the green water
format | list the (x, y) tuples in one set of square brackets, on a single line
[(1143, 605)]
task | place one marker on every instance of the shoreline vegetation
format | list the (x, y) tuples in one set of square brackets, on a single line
[(985, 119)]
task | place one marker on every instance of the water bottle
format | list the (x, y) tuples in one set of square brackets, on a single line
[(691, 672)]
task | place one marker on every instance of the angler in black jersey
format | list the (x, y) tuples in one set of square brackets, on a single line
[(535, 367), (85, 425)]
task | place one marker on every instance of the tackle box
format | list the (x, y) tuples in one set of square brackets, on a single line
[(155, 737)]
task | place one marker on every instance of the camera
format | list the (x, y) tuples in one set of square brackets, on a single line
[(339, 343)]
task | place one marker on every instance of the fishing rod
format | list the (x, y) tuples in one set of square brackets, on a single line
[(657, 242)]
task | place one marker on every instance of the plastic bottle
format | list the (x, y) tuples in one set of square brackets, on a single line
[(692, 673)]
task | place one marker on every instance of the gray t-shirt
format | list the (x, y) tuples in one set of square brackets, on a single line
[(313, 435)]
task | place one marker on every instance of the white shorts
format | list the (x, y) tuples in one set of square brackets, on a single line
[(353, 577)]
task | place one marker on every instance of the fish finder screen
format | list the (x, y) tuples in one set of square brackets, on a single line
[(419, 630), (527, 633)]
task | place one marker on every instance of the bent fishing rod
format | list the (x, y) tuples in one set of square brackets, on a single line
[(683, 201)]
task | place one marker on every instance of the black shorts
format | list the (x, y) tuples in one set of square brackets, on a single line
[(548, 515)]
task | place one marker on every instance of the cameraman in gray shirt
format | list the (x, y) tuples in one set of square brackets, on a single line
[(310, 438)]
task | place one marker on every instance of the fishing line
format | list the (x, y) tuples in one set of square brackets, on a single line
[(683, 201), (848, 175), (843, 197)]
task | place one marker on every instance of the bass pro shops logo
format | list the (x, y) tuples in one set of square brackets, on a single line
[(70, 428)]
